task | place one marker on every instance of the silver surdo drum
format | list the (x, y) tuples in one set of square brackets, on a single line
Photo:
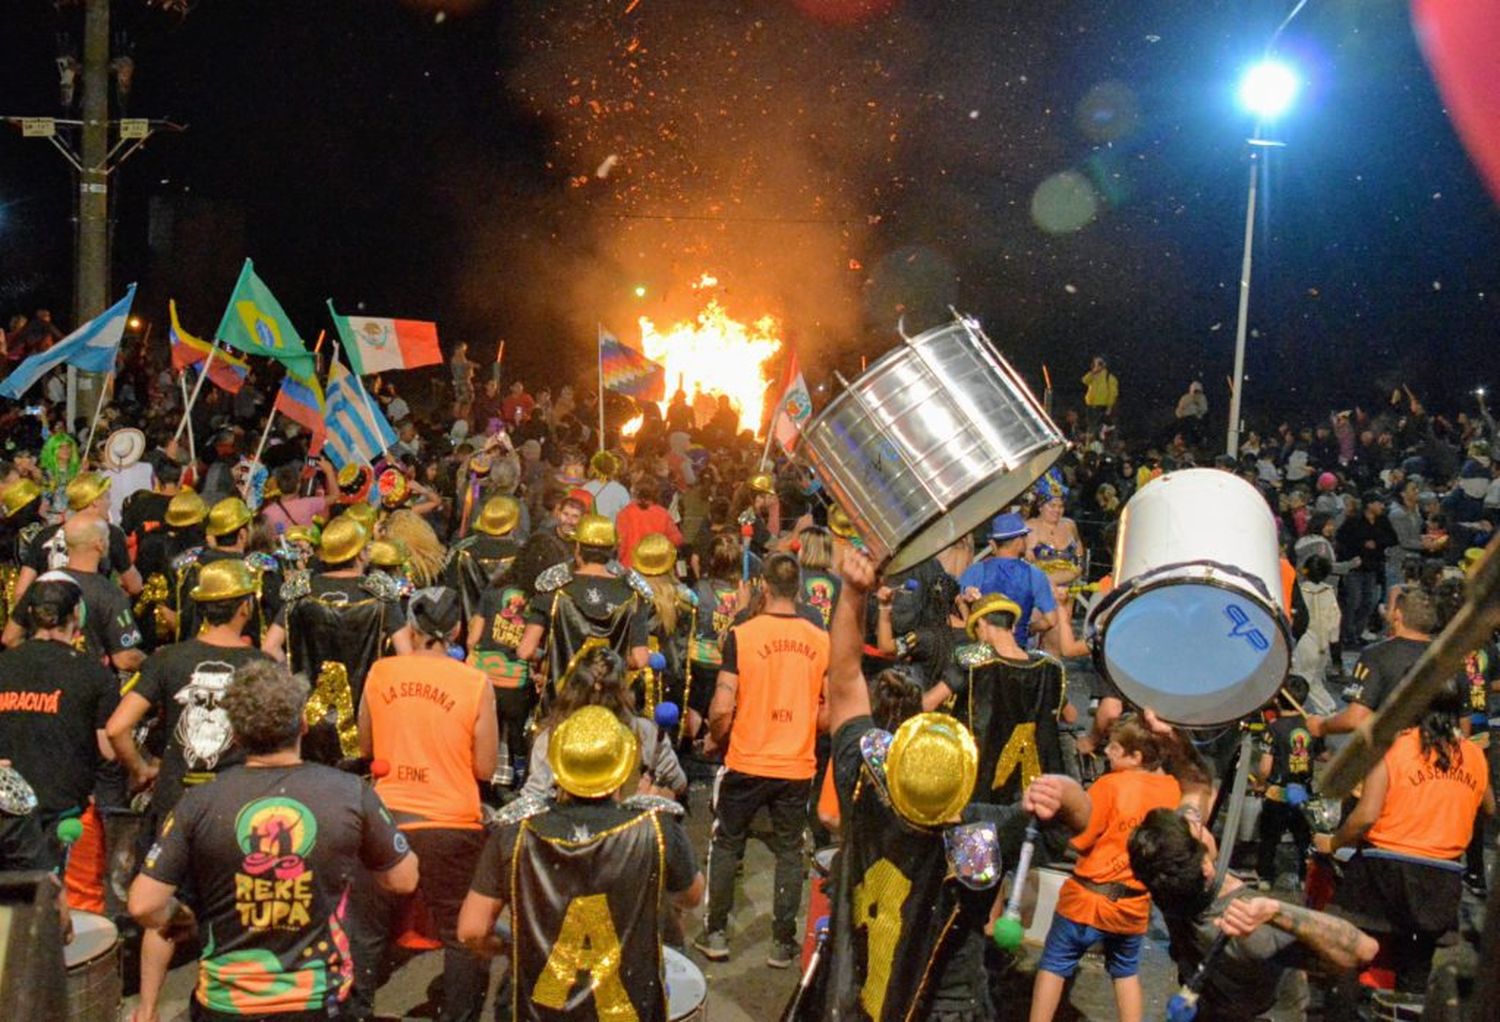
[(929, 442), (1194, 627)]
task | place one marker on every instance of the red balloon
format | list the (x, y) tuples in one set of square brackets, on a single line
[(1461, 40)]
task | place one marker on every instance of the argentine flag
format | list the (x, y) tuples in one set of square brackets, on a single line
[(357, 431), (91, 348)]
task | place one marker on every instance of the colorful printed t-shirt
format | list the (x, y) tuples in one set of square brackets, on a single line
[(270, 853)]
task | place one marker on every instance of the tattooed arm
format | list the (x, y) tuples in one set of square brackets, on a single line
[(1339, 945), (721, 709)]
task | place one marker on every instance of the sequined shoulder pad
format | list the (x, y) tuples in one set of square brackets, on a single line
[(381, 586), (187, 558), (973, 851), (29, 533), (554, 578), (259, 561), (16, 796), (637, 583), (520, 809), (654, 804), (874, 746), (974, 654), (296, 585)]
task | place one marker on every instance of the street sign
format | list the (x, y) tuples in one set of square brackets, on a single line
[(134, 127), (38, 127)]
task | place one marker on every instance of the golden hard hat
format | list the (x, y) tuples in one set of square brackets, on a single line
[(342, 540), (309, 534), (17, 495), (840, 524), (989, 603), (228, 579), (362, 513), (499, 516), (349, 476), (388, 553), (185, 508), (228, 516), (86, 488), (604, 465), (595, 531), (930, 769), (591, 753), (762, 484), (393, 488), (654, 555)]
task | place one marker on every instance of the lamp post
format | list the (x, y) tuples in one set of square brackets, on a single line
[(1266, 90)]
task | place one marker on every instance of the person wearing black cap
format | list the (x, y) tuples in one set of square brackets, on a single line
[(432, 719), (55, 702)]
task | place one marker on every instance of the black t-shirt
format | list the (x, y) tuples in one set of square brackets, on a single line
[(108, 624), (503, 609), (1382, 666), (52, 701), (598, 597), (578, 821), (183, 683), (48, 548), (1293, 750), (270, 854)]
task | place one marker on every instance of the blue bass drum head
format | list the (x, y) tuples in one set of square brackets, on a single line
[(1199, 655)]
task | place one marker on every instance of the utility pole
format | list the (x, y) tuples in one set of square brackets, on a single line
[(93, 160), (91, 267)]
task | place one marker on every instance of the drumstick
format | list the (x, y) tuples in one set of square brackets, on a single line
[(68, 833), (795, 1005), (1293, 700), (379, 768), (1183, 1007), (1008, 930)]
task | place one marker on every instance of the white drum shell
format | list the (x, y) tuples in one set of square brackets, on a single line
[(930, 442), (1194, 627), (687, 990), (1199, 514)]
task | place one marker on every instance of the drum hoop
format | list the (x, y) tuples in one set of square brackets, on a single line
[(1097, 622), (1099, 615)]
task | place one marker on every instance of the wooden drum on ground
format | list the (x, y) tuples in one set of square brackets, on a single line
[(93, 960), (931, 441)]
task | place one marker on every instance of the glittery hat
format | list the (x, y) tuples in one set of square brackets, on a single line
[(342, 540), (229, 515), (185, 508), (990, 603), (17, 495), (596, 531), (223, 580), (931, 769), (499, 516), (591, 753), (654, 555), (85, 489)]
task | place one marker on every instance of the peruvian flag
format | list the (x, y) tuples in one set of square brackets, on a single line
[(794, 408), (376, 345)]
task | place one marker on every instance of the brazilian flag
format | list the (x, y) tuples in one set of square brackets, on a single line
[(255, 323)]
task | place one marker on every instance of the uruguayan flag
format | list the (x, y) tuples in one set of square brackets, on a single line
[(357, 431), (92, 348)]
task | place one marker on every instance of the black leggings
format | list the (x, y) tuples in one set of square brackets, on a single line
[(513, 707)]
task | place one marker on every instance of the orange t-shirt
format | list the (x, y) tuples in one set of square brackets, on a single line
[(423, 712), (1427, 813), (1120, 801), (782, 664)]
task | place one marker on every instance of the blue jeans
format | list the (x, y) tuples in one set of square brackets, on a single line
[(1068, 941), (1361, 597)]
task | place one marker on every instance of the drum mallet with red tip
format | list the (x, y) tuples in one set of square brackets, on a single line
[(379, 768), (1008, 929)]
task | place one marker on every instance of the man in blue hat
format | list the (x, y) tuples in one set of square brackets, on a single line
[(1007, 571)]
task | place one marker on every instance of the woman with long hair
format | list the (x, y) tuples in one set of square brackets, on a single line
[(721, 594), (598, 679), (1411, 827), (425, 553), (1054, 545), (670, 616), (820, 584)]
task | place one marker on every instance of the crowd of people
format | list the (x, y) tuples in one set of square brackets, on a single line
[(482, 675)]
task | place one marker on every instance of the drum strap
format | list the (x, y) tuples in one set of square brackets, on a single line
[(1112, 891), (1236, 809)]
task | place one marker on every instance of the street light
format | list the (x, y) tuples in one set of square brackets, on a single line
[(1267, 91)]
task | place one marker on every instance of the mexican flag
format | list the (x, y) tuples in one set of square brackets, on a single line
[(376, 345)]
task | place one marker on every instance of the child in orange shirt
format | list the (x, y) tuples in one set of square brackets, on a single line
[(1102, 901)]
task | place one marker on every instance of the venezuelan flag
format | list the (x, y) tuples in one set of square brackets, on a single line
[(226, 371), (628, 372), (301, 400)]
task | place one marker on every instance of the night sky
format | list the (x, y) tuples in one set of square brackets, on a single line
[(444, 161)]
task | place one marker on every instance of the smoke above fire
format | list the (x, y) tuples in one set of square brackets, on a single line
[(752, 139)]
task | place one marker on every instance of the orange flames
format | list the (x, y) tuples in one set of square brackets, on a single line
[(714, 354)]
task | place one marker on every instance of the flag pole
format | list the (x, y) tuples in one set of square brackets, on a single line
[(88, 445), (265, 433), (599, 357), (499, 359), (213, 349), (765, 455), (192, 446)]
